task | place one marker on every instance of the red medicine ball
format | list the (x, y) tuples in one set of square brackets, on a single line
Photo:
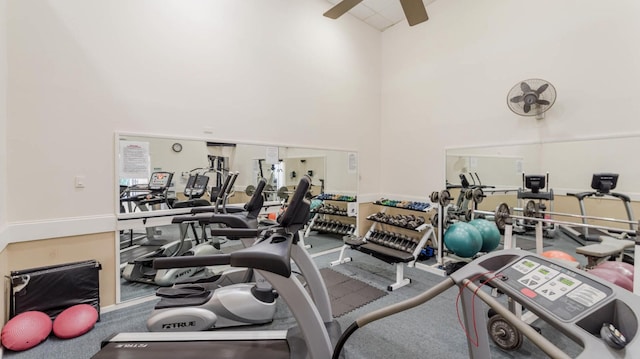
[(26, 330), (75, 321)]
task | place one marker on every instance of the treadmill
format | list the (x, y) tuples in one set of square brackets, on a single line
[(602, 183), (145, 197), (271, 256)]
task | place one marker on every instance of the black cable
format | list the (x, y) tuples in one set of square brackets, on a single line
[(343, 339)]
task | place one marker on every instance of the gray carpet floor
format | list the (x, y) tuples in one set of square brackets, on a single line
[(429, 331)]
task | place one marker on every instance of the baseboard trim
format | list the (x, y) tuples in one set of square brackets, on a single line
[(55, 228)]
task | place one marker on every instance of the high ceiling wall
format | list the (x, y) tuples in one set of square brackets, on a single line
[(445, 82)]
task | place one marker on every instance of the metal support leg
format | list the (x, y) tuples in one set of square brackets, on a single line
[(342, 259), (401, 281)]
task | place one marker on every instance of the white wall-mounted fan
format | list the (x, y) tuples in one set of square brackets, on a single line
[(531, 97)]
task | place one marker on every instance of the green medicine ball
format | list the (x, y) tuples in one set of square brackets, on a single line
[(463, 239), (489, 232)]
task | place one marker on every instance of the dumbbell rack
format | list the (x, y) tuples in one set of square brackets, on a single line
[(380, 233), (330, 218)]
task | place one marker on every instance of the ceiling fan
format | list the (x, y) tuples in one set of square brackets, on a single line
[(414, 10)]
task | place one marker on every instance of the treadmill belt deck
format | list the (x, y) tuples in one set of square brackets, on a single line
[(199, 349)]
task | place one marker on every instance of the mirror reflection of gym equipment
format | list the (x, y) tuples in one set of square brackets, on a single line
[(212, 162)]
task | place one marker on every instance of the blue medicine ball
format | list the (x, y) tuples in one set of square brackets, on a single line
[(463, 239), (489, 232)]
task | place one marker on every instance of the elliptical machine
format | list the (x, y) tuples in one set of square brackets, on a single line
[(141, 269), (272, 255), (209, 278), (217, 300)]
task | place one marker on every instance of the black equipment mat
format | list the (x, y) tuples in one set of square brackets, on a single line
[(236, 349), (528, 244), (347, 293)]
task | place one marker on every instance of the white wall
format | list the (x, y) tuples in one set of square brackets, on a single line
[(445, 82), (3, 117), (250, 71)]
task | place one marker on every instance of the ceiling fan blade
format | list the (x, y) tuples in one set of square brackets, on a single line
[(341, 8), (525, 87), (517, 99), (415, 11), (527, 108), (542, 88), (543, 102)]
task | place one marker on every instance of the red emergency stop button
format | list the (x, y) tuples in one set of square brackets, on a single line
[(528, 292)]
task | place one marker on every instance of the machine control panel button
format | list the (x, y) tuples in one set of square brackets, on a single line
[(540, 275), (558, 286), (528, 292)]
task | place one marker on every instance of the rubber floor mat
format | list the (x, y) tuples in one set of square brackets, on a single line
[(347, 293)]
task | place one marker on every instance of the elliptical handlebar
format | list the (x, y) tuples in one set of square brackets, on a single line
[(272, 254)]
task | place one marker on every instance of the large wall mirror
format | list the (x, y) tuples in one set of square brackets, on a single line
[(156, 174), (570, 165)]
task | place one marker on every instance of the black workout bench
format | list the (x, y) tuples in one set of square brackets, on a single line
[(396, 251)]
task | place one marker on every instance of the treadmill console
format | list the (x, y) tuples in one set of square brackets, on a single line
[(564, 293), (160, 181)]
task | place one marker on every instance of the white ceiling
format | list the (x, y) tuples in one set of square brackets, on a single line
[(381, 14)]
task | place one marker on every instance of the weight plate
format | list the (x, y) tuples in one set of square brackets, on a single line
[(434, 197), (504, 334), (250, 190), (477, 195), (502, 213), (529, 209), (434, 220), (444, 198), (283, 192), (468, 194)]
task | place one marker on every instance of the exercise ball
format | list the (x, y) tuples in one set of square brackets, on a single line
[(26, 330), (623, 268), (556, 254), (75, 321), (463, 239), (613, 276), (489, 232)]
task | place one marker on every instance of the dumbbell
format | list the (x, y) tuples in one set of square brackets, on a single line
[(386, 237), (395, 242), (374, 236)]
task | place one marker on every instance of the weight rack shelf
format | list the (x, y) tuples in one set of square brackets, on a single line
[(330, 214), (395, 248), (417, 229), (323, 213), (425, 210), (336, 197)]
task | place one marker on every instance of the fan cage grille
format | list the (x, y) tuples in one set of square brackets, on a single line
[(549, 94)]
